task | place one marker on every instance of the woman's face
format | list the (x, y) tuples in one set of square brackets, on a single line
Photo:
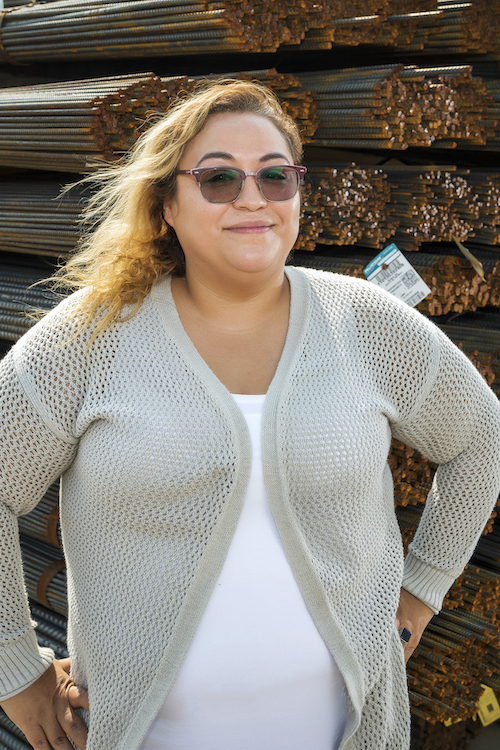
[(252, 234)]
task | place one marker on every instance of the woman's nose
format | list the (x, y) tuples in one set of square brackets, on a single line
[(250, 196)]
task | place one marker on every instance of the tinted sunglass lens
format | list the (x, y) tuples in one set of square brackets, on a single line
[(278, 183), (220, 185)]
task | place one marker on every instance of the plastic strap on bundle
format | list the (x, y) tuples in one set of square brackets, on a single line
[(48, 574), (52, 526)]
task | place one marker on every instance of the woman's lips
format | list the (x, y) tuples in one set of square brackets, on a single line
[(250, 228)]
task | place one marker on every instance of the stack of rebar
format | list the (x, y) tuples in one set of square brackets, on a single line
[(83, 29), (344, 205), (396, 106), (455, 285), (73, 126), (493, 89), (393, 25), (36, 219), (86, 29), (459, 28), (18, 298), (66, 126), (411, 205), (436, 204), (458, 650)]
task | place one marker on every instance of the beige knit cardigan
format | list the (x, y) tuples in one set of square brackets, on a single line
[(155, 459)]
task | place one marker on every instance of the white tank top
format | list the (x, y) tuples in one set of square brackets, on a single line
[(257, 675)]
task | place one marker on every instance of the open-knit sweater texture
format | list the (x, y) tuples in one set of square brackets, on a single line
[(155, 459)]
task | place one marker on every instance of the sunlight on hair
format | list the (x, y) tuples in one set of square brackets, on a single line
[(126, 245)]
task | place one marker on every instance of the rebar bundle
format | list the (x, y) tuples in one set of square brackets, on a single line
[(367, 206), (19, 298), (133, 28), (11, 738), (73, 126), (458, 650), (459, 27), (342, 205), (84, 29), (455, 286), (397, 106), (493, 89), (440, 205), (66, 126), (394, 27), (425, 736), (36, 219)]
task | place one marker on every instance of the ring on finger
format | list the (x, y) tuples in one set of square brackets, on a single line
[(405, 635)]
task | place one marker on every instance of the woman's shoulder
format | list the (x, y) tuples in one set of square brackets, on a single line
[(375, 313)]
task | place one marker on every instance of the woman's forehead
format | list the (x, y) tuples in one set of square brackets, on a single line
[(236, 135)]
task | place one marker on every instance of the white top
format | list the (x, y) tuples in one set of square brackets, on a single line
[(257, 674)]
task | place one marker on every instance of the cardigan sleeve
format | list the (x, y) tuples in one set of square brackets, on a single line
[(41, 388), (437, 402), (456, 424)]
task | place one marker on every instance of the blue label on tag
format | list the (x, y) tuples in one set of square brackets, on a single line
[(382, 259)]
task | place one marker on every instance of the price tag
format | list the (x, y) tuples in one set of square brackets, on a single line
[(391, 271), (488, 708)]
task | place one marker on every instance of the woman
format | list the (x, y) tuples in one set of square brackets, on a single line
[(222, 593)]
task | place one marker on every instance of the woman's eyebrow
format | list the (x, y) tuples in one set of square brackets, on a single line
[(276, 155), (224, 155), (215, 155)]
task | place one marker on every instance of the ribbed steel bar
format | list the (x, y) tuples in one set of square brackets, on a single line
[(454, 284), (73, 126)]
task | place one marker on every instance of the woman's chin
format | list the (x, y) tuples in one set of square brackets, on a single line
[(258, 261)]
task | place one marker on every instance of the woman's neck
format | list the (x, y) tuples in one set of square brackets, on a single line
[(231, 306)]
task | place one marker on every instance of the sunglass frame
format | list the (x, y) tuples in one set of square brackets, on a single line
[(197, 172)]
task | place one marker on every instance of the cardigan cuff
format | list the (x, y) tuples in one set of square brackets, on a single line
[(22, 662), (426, 582)]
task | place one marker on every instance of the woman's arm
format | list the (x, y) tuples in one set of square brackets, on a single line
[(457, 426), (40, 392)]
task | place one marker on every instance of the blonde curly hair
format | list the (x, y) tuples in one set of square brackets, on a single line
[(127, 245)]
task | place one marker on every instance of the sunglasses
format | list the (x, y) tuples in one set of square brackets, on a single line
[(224, 184)]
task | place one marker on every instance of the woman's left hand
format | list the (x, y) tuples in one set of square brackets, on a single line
[(413, 615)]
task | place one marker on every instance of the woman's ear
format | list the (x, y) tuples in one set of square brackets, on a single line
[(168, 214)]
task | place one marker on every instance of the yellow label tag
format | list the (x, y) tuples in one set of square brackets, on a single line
[(488, 708)]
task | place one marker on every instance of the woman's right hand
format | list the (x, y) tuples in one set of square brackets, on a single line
[(45, 711)]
